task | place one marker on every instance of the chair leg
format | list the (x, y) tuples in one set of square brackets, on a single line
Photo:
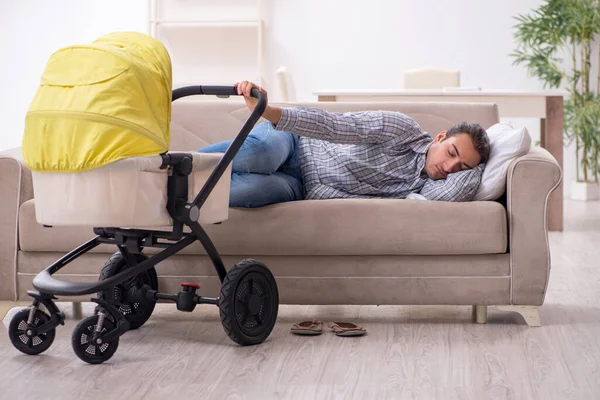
[(6, 306), (531, 314), (479, 314), (77, 310)]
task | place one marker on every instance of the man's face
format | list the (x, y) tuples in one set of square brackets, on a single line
[(451, 155)]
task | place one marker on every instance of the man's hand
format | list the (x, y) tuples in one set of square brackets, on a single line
[(244, 88)]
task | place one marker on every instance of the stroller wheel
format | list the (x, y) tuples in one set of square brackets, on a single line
[(89, 345), (20, 334), (249, 302), (127, 296)]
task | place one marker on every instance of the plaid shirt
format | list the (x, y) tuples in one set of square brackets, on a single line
[(369, 154)]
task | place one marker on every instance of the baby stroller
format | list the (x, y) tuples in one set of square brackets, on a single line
[(97, 139)]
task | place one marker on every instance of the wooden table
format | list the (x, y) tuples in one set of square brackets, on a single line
[(547, 106)]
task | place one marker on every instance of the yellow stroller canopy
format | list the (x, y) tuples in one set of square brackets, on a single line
[(100, 103)]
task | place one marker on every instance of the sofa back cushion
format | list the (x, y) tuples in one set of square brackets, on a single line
[(197, 123), (325, 228)]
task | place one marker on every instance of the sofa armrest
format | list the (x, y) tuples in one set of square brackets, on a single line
[(530, 180), (16, 188)]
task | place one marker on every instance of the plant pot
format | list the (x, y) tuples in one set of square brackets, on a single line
[(585, 191)]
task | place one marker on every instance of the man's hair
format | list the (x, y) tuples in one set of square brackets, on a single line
[(478, 136)]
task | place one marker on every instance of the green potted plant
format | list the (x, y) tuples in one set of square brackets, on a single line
[(568, 29)]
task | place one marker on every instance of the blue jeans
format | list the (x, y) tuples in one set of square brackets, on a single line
[(266, 168)]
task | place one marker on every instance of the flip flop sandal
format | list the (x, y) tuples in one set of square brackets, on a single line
[(309, 328), (347, 329)]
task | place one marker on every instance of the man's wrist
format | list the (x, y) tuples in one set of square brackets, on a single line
[(272, 114)]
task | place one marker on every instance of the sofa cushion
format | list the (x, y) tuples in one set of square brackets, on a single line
[(325, 227)]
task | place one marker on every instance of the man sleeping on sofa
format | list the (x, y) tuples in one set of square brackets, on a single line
[(309, 153)]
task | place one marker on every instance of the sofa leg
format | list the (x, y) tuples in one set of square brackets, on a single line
[(531, 314), (479, 314), (77, 310), (6, 306)]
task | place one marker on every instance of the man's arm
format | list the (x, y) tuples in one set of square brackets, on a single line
[(350, 127), (458, 186), (353, 127)]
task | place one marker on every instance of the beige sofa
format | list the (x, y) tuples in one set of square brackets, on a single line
[(341, 251)]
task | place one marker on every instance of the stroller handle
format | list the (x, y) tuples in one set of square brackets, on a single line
[(236, 144), (220, 91)]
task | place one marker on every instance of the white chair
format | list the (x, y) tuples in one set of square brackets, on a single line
[(285, 85), (430, 78)]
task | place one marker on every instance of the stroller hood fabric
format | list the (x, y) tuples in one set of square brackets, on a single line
[(100, 103)]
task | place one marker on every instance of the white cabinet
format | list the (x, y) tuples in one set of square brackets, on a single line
[(211, 42)]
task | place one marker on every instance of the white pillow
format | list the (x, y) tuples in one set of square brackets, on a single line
[(506, 143)]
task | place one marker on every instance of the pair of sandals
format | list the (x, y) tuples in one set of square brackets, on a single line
[(315, 327)]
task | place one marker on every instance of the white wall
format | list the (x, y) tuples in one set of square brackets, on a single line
[(365, 45), (31, 30), (325, 44)]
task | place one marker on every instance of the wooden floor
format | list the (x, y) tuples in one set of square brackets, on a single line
[(409, 352)]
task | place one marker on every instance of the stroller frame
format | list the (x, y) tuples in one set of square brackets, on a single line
[(130, 242)]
